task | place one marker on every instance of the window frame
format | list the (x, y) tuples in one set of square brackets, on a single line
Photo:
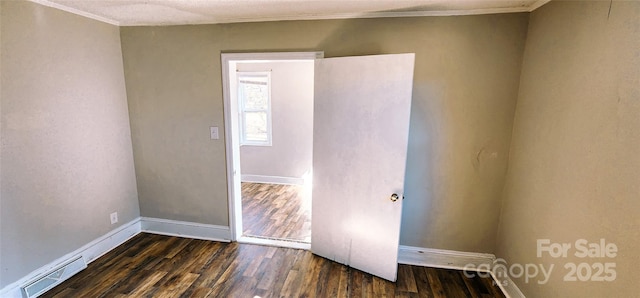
[(243, 110)]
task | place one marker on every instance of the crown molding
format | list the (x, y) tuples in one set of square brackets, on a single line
[(340, 16), (76, 11), (537, 4)]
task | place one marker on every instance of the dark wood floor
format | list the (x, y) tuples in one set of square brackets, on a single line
[(276, 211), (162, 266)]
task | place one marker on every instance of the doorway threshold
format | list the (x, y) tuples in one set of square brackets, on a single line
[(274, 242)]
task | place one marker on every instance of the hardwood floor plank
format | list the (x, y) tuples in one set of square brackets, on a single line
[(472, 286), (248, 288), (68, 292), (392, 290), (457, 288), (378, 288), (289, 259), (253, 267), (270, 270), (177, 285), (131, 281), (227, 274), (312, 271), (422, 282), (356, 278), (210, 252), (291, 288), (199, 292), (209, 276), (175, 249), (322, 287), (367, 285), (408, 281), (147, 284), (434, 281), (343, 282)]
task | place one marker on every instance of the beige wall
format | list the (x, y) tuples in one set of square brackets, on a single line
[(574, 170), (290, 154), (66, 157), (465, 89)]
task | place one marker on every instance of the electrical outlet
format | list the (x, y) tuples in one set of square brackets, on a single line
[(114, 217)]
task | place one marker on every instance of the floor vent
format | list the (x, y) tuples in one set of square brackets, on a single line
[(53, 278)]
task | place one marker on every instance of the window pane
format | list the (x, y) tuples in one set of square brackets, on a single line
[(255, 93), (256, 126)]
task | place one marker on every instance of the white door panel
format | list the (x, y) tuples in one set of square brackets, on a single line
[(361, 125)]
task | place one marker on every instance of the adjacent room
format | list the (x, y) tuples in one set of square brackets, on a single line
[(275, 138), (319, 148)]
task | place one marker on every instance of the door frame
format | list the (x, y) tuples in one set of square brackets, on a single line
[(232, 141)]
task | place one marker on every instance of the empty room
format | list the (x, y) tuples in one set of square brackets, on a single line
[(420, 148)]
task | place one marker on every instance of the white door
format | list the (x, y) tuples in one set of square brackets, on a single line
[(361, 127)]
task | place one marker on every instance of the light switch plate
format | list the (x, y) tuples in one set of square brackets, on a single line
[(214, 133)]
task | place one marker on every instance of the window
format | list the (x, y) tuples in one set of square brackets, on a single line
[(254, 96)]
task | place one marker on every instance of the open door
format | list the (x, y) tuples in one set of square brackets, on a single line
[(361, 127)]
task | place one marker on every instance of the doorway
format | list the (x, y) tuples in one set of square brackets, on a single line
[(360, 134), (269, 140)]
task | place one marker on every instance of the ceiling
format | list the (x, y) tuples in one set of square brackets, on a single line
[(178, 12)]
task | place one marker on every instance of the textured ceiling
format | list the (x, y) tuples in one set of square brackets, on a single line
[(175, 12)]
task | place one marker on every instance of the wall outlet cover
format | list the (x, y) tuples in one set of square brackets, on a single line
[(214, 133)]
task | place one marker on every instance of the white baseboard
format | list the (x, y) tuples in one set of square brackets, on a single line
[(185, 229), (440, 258), (450, 259), (89, 252), (272, 179), (508, 287)]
